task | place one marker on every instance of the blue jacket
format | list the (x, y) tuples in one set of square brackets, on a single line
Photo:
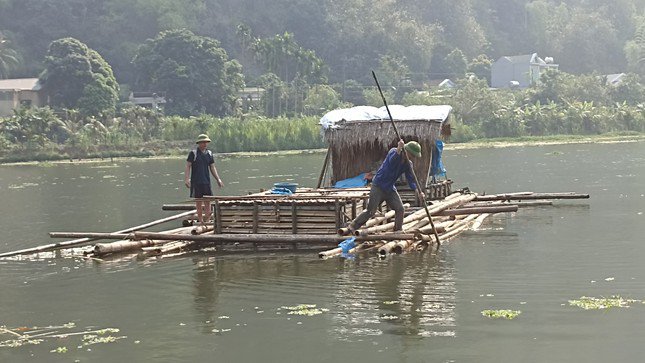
[(393, 166)]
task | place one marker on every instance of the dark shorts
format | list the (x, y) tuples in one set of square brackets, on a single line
[(200, 190)]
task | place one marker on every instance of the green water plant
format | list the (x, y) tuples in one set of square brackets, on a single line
[(304, 309), (503, 314), (594, 303)]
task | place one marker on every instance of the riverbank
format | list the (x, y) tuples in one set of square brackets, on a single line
[(174, 151)]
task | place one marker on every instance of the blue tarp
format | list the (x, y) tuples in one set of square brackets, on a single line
[(437, 168), (357, 181), (281, 191)]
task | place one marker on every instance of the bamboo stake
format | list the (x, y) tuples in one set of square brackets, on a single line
[(324, 168), (81, 241)]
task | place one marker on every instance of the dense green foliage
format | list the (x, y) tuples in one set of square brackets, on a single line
[(35, 134), (349, 36), (78, 77), (562, 104), (310, 57), (192, 71), (8, 57)]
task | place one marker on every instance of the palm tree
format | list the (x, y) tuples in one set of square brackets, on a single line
[(8, 57)]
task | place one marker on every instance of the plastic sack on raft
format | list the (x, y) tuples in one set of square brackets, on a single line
[(437, 168), (347, 244), (281, 191)]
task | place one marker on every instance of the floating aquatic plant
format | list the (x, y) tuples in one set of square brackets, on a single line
[(59, 350), (594, 303), (503, 314), (35, 335), (304, 309)]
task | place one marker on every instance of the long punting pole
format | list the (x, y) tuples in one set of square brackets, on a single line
[(416, 180), (80, 241)]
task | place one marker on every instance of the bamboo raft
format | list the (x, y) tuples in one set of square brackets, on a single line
[(308, 219)]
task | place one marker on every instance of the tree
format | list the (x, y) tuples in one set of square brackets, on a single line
[(77, 76), (456, 63), (282, 56), (320, 99), (480, 67), (635, 49), (193, 71), (8, 57)]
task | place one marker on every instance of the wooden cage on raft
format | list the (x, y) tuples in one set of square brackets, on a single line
[(360, 137)]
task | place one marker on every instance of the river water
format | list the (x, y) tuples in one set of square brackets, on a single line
[(408, 308)]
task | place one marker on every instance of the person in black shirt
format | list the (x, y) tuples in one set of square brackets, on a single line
[(197, 177)]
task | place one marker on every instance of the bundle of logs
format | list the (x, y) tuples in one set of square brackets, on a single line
[(451, 216)]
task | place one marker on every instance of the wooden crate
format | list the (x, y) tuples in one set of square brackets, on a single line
[(300, 216)]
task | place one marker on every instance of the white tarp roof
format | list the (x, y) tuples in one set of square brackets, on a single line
[(437, 113)]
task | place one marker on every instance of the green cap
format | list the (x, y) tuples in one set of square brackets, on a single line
[(201, 138), (413, 148)]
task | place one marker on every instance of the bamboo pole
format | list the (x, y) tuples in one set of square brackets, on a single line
[(81, 241), (202, 229), (414, 174), (531, 196), (479, 210), (436, 208), (387, 248), (479, 221)]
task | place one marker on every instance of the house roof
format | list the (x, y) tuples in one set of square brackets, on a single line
[(21, 84), (334, 119), (614, 79)]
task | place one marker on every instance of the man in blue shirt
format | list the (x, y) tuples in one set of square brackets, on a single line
[(383, 188), (198, 165)]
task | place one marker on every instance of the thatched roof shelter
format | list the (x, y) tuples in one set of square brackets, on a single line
[(359, 137)]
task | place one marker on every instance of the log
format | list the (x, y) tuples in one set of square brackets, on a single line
[(81, 241), (532, 196), (201, 229), (101, 249), (91, 235), (478, 222), (433, 209), (401, 246), (178, 207), (387, 248), (479, 210), (330, 253)]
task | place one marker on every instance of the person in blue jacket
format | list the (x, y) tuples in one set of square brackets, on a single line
[(199, 165), (383, 188)]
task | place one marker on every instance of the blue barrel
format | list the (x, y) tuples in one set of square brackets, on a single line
[(290, 186)]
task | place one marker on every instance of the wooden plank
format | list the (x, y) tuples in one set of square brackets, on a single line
[(218, 217), (255, 217), (294, 219)]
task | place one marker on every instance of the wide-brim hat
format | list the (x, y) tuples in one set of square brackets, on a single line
[(413, 148), (202, 138)]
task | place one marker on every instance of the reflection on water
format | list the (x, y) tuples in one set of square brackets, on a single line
[(401, 296)]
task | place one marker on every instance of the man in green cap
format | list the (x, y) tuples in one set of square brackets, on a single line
[(199, 163), (383, 188)]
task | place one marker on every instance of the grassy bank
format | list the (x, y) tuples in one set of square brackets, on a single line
[(176, 150)]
